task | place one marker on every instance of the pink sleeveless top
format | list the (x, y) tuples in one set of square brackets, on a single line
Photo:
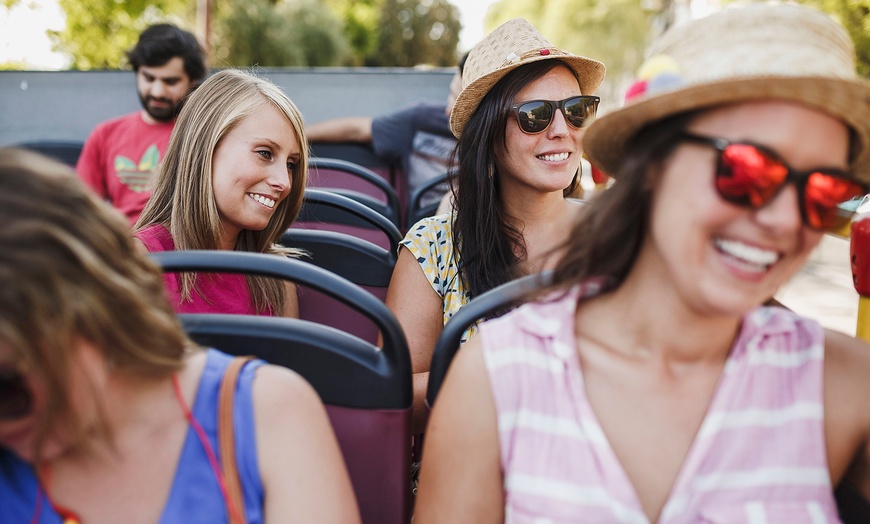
[(217, 292), (759, 456)]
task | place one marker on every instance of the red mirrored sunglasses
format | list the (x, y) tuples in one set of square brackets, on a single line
[(16, 400), (751, 175)]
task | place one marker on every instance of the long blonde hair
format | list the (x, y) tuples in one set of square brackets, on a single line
[(183, 199), (70, 271)]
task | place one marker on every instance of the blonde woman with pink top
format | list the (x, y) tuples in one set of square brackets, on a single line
[(650, 384), (233, 178)]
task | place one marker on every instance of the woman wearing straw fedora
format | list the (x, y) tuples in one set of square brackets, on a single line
[(519, 119), (649, 384)]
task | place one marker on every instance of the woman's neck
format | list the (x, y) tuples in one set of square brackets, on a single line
[(531, 209), (133, 407), (655, 321), (545, 224)]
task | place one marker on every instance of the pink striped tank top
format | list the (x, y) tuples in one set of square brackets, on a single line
[(759, 456)]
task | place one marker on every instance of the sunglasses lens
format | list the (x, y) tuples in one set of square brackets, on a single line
[(747, 176), (827, 198), (580, 111), (534, 116), (15, 398)]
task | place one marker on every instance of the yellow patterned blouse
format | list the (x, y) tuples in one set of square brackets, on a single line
[(431, 242)]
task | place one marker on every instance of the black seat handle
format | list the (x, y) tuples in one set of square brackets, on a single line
[(394, 342), (343, 203), (477, 308)]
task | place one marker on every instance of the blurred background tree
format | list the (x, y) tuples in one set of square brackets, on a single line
[(391, 33), (413, 32), (615, 32), (360, 20), (271, 33), (98, 32)]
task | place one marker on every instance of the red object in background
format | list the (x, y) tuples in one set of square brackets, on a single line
[(859, 253), (598, 176)]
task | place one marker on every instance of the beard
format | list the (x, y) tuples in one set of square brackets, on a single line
[(165, 113)]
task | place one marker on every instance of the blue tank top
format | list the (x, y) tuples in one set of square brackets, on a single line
[(195, 496)]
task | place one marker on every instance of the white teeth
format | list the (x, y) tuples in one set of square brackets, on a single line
[(558, 157), (268, 202), (750, 257)]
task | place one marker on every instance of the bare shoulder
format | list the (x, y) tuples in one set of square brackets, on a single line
[(847, 359), (140, 246), (279, 388), (303, 473), (461, 475), (847, 418)]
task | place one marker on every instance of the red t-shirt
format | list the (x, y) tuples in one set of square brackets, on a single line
[(120, 158)]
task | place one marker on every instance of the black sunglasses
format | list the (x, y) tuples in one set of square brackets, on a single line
[(751, 175), (534, 116), (16, 400)]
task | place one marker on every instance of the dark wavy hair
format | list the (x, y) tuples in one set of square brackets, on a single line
[(160, 43), (606, 240), (487, 246)]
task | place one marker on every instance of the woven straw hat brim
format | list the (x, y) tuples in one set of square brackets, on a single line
[(590, 73), (607, 138)]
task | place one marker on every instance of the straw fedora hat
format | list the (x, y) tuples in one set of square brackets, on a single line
[(760, 51), (510, 45)]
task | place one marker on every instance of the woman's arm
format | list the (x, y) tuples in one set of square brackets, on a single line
[(304, 476), (460, 478), (419, 311), (140, 246), (847, 409), (291, 301)]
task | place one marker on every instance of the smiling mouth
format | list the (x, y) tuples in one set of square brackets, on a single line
[(749, 258), (266, 201), (556, 157)]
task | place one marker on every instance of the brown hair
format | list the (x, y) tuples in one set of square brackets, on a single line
[(607, 238), (69, 271)]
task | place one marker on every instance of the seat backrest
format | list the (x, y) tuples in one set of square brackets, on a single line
[(359, 153), (424, 200), (64, 151), (356, 182), (361, 262), (329, 211), (509, 294), (367, 390)]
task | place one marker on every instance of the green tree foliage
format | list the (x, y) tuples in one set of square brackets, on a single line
[(414, 32), (271, 32), (615, 32), (360, 19), (278, 33), (98, 32)]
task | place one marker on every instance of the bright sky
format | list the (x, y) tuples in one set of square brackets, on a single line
[(471, 13), (22, 34), (23, 38)]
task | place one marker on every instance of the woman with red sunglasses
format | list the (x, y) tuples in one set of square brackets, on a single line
[(108, 412), (649, 383), (519, 121)]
